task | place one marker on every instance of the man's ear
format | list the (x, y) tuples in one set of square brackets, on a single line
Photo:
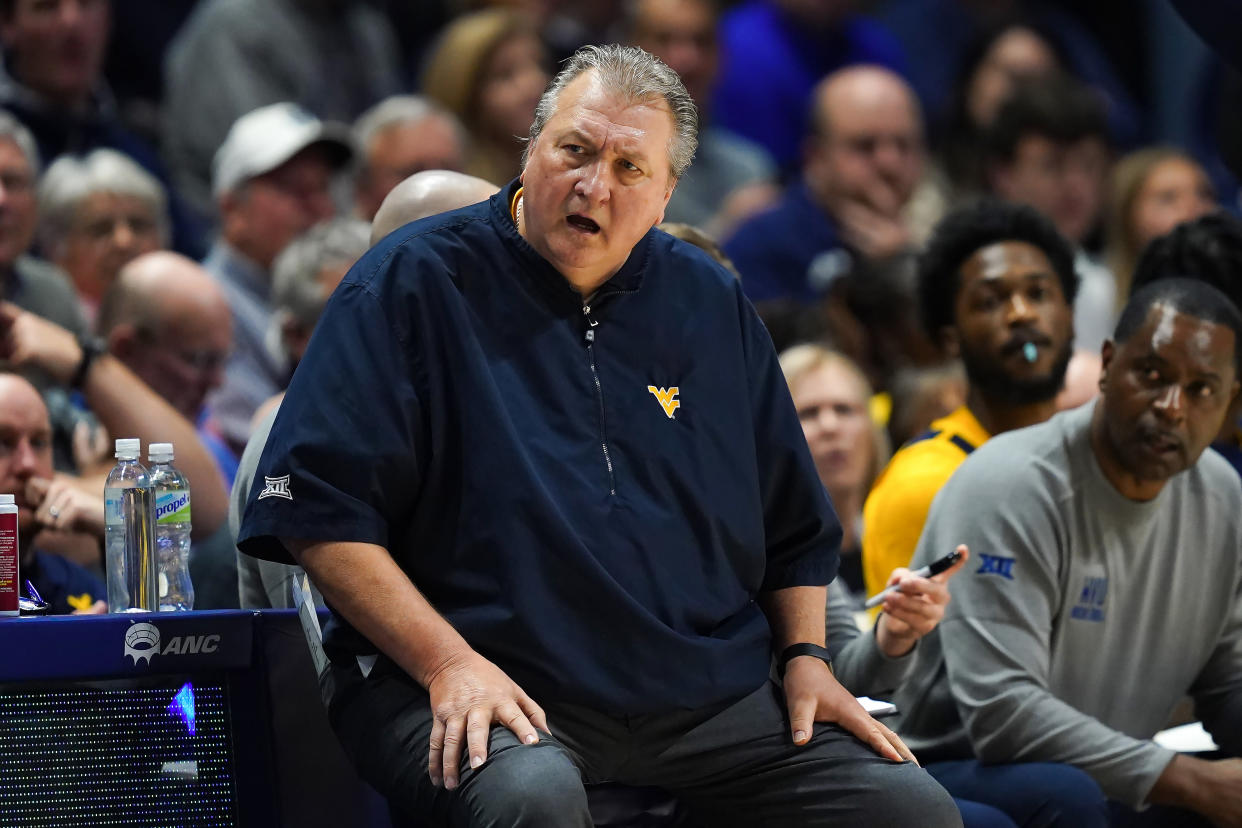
[(1107, 351), (949, 342)]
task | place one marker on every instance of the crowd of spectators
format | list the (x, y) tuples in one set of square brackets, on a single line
[(939, 208)]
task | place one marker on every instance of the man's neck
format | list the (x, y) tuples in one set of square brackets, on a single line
[(998, 417)]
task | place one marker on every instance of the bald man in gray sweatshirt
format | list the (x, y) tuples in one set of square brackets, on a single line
[(1106, 580)]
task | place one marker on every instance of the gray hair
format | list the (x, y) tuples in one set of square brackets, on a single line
[(72, 179), (16, 131), (296, 291), (401, 109), (636, 76)]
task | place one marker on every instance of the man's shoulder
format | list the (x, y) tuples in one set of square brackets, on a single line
[(1050, 440), (1032, 464), (687, 265), (1213, 477)]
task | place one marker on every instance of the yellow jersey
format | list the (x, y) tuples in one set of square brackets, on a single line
[(897, 506)]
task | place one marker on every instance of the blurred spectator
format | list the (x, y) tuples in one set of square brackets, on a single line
[(97, 213), (944, 40), (997, 287), (53, 82), (122, 402), (335, 58), (272, 179), (168, 321), (1002, 56), (863, 160), (775, 51), (840, 232), (1048, 147), (731, 178), (28, 282), (426, 194), (832, 397), (304, 276), (398, 137), (27, 458), (489, 68), (1153, 190)]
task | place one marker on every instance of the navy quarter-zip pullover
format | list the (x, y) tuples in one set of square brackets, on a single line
[(591, 493)]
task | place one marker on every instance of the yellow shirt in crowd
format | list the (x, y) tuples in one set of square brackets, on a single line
[(897, 507)]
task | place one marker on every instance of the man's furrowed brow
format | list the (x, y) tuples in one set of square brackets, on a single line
[(575, 135)]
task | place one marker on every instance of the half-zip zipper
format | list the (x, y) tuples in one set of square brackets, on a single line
[(589, 337)]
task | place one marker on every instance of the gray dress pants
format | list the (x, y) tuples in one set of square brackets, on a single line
[(730, 764)]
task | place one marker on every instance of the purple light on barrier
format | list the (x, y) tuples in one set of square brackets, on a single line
[(182, 706)]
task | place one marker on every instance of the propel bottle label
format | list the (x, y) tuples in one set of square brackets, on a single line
[(173, 507)]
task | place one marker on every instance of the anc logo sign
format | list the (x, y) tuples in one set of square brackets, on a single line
[(142, 643), (668, 399)]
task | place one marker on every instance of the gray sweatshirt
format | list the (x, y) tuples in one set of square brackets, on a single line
[(1082, 617)]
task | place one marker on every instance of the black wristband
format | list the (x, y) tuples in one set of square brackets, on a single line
[(804, 649), (92, 348)]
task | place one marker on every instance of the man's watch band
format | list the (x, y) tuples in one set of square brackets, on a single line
[(804, 649), (92, 348)]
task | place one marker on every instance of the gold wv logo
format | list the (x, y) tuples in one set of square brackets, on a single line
[(668, 399)]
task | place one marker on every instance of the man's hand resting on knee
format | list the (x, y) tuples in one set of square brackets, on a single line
[(813, 694), (469, 694)]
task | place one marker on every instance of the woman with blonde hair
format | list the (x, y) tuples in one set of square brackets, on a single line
[(832, 397), (1153, 191), (488, 69)]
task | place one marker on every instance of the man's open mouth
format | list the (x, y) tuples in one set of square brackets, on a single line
[(583, 223)]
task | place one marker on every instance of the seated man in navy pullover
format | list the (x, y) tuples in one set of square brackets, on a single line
[(541, 461), (26, 473), (862, 160)]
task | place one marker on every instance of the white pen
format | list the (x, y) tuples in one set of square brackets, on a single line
[(933, 568)]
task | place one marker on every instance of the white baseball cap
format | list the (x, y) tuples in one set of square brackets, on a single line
[(262, 140)]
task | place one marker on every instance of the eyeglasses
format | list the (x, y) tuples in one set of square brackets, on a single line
[(202, 360)]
